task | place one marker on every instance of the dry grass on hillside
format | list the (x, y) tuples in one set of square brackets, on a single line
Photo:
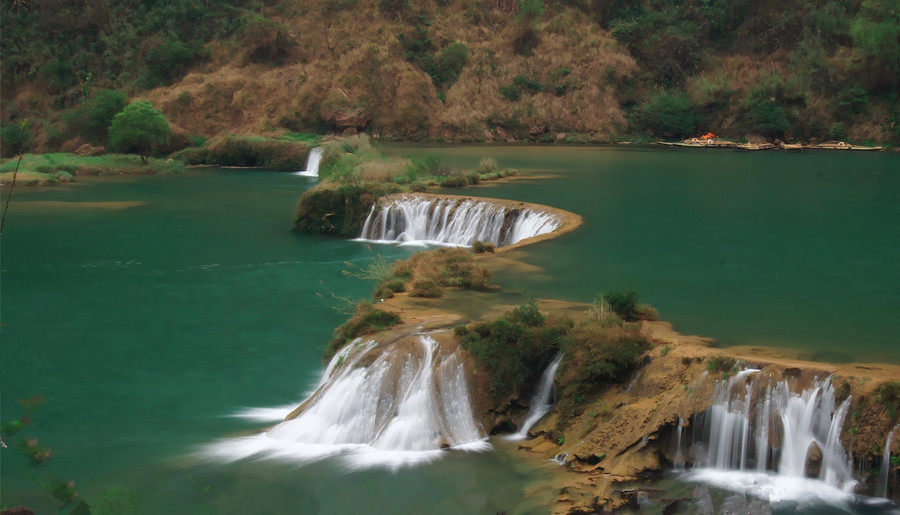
[(352, 61)]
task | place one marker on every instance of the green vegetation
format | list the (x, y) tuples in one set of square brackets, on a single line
[(139, 129), (366, 319), (515, 349), (425, 274), (723, 364), (55, 168), (624, 303), (338, 209), (470, 71), (888, 394), (354, 173), (286, 153), (92, 120)]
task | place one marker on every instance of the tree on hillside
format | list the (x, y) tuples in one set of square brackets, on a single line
[(139, 129)]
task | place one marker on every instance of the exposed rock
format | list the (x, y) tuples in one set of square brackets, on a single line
[(813, 460), (349, 131), (89, 150), (488, 136), (560, 137), (537, 130), (345, 117)]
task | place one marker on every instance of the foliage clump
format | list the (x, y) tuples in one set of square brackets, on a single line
[(624, 303), (139, 129), (425, 274), (515, 349), (366, 319)]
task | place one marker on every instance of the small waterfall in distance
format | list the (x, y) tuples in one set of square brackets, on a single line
[(312, 163), (459, 221), (762, 438), (377, 406), (542, 401)]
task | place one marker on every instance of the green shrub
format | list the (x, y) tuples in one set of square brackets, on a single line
[(15, 138), (487, 165), (623, 303), (449, 64), (166, 61), (480, 247), (338, 211), (767, 118), (666, 114), (888, 393), (425, 288), (386, 289), (528, 84), (455, 181), (528, 313), (716, 364), (366, 319), (92, 121), (525, 39), (511, 92)]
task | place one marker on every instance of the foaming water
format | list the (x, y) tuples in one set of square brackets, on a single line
[(765, 438), (388, 407), (412, 219), (312, 163)]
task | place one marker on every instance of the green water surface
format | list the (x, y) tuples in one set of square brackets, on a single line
[(145, 327)]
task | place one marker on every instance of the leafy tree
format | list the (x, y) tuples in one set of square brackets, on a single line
[(139, 129)]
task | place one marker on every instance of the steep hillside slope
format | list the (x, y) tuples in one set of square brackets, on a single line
[(460, 69)]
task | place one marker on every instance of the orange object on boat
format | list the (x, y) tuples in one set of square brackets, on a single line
[(708, 135)]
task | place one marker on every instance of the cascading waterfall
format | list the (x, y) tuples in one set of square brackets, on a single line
[(886, 462), (377, 406), (761, 437), (454, 221), (542, 401), (312, 163)]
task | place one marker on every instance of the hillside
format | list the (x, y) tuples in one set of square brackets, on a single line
[(455, 70)]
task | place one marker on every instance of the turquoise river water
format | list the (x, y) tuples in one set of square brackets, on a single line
[(147, 326)]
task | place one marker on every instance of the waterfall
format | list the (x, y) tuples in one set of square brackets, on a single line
[(679, 453), (886, 463), (454, 221), (542, 401), (761, 437), (312, 163), (385, 406)]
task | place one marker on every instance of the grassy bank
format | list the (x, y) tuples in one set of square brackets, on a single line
[(287, 152), (49, 169)]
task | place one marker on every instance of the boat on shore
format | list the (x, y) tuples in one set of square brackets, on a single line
[(754, 147), (840, 145)]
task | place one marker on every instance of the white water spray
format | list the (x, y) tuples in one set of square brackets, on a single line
[(415, 219), (765, 440), (312, 163), (386, 407), (542, 401)]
